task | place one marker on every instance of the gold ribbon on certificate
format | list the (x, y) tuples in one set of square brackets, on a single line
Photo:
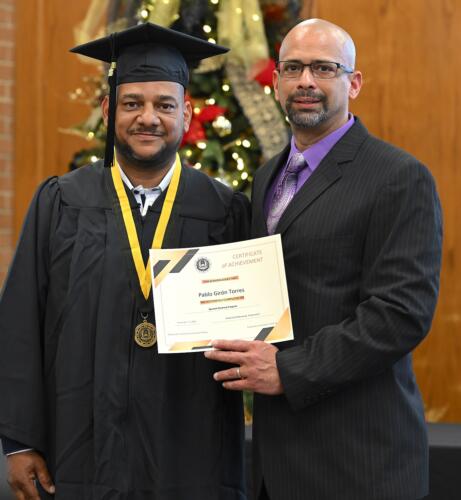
[(143, 271)]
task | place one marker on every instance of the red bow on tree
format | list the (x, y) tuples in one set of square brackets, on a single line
[(209, 113), (262, 72), (195, 133)]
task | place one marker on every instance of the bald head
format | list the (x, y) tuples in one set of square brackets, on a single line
[(315, 96), (323, 36)]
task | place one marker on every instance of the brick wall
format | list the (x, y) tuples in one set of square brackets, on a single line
[(6, 132)]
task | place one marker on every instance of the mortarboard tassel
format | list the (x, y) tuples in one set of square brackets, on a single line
[(112, 81)]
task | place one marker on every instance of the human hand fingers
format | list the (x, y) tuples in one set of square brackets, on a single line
[(251, 353), (234, 373), (236, 351), (233, 379), (23, 488), (43, 476), (238, 385), (257, 367), (18, 494), (233, 357), (21, 476), (232, 345), (23, 469)]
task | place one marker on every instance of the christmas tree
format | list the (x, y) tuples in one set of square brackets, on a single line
[(237, 124)]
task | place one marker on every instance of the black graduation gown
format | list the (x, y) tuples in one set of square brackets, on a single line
[(114, 421)]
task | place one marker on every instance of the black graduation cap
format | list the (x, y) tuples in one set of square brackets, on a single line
[(145, 53)]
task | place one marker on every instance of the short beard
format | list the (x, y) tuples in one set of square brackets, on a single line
[(156, 161), (307, 118)]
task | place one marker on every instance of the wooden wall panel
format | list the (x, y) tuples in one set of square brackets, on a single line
[(409, 52), (45, 74)]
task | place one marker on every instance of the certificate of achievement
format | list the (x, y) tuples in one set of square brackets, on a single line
[(230, 291)]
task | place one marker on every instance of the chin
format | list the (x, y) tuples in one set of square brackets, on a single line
[(150, 156), (146, 152), (146, 156)]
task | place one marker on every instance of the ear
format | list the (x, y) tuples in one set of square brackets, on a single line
[(356, 85), (105, 109), (187, 113), (275, 82)]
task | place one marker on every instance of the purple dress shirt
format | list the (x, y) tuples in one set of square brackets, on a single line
[(313, 156)]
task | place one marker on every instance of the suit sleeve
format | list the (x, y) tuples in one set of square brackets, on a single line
[(397, 296), (22, 310)]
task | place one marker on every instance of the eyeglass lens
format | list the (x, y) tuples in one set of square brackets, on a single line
[(319, 69)]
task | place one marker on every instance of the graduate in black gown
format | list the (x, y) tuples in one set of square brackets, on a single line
[(104, 416)]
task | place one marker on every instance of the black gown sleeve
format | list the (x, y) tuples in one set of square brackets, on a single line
[(22, 312), (239, 218), (11, 446)]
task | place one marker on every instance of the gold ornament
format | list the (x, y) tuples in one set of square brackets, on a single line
[(222, 126)]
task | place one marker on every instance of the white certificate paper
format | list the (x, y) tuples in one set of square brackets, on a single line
[(230, 291)]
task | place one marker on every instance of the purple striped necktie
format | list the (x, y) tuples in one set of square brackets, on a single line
[(285, 190)]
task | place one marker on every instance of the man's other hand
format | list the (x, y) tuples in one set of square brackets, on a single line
[(24, 469), (256, 368)]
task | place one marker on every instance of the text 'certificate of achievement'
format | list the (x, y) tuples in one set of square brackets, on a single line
[(230, 291)]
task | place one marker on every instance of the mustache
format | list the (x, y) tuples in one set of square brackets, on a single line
[(146, 130), (306, 93)]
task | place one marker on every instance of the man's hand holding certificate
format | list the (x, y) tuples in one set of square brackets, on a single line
[(232, 291)]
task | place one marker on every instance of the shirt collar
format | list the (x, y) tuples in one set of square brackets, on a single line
[(317, 152), (164, 183)]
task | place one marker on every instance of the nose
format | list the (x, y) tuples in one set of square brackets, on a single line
[(148, 116), (307, 79)]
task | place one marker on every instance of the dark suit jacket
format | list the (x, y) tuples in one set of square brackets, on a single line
[(362, 247)]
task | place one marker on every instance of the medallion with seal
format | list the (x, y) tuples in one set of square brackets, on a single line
[(145, 334)]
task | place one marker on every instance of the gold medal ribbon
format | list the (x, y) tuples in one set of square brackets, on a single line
[(144, 277)]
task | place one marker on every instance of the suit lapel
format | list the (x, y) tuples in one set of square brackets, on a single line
[(325, 175)]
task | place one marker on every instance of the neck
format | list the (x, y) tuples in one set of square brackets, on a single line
[(307, 137), (147, 177)]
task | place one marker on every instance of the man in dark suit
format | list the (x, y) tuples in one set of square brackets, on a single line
[(337, 412)]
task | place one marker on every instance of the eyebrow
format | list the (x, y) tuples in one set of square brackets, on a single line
[(141, 97), (302, 62), (167, 98), (131, 96)]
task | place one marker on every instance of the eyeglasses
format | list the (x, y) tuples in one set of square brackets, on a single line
[(322, 70)]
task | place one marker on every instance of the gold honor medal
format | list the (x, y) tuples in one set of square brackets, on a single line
[(145, 334)]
